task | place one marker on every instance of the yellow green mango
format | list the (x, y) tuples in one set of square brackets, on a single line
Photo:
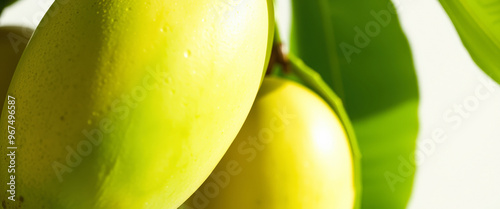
[(132, 103), (292, 153)]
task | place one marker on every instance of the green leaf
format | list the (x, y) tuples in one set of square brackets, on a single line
[(359, 49), (478, 24), (313, 80)]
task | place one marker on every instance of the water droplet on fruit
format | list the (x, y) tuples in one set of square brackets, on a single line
[(187, 54)]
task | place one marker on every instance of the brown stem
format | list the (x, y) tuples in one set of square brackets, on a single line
[(278, 57)]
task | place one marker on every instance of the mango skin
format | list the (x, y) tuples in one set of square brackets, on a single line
[(13, 41), (131, 104), (292, 152)]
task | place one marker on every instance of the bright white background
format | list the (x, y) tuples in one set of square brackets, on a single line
[(464, 170)]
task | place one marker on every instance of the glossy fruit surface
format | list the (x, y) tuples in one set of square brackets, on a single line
[(131, 104), (292, 152)]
